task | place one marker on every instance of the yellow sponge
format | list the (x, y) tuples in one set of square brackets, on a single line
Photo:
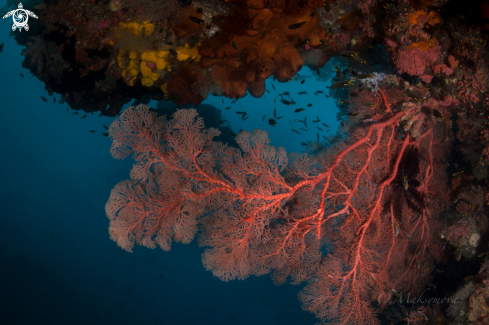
[(157, 57), (185, 52), (145, 27)]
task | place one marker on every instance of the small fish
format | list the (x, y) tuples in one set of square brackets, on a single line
[(341, 84), (305, 122), (268, 91), (458, 255), (396, 230), (299, 121), (303, 129), (173, 52), (243, 113), (92, 131), (233, 44), (21, 75), (344, 102), (263, 118), (326, 125), (105, 134), (327, 96), (309, 105), (274, 112), (433, 30), (105, 126), (296, 131), (348, 53), (457, 36), (319, 128), (302, 82), (298, 25), (245, 118), (66, 109), (438, 114), (319, 92), (317, 120), (457, 173), (363, 76), (339, 75), (286, 102), (299, 110), (273, 86), (228, 108), (303, 144), (327, 7), (84, 116), (272, 122), (61, 101), (44, 99), (302, 93), (286, 93), (359, 60), (318, 136), (196, 20), (412, 94), (217, 19), (279, 117)]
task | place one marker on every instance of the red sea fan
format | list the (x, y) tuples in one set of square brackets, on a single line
[(260, 211)]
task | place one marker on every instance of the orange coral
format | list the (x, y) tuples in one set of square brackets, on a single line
[(432, 18), (261, 38), (417, 17), (421, 19), (423, 45), (414, 16)]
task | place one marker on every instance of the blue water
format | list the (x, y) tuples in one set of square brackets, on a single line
[(57, 262)]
